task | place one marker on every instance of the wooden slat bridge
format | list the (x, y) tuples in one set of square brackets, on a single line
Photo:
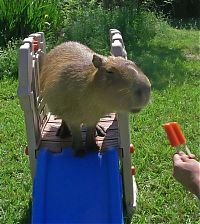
[(56, 144)]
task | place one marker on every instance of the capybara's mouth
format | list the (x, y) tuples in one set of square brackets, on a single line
[(137, 110)]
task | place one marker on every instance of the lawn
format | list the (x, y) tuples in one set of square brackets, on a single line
[(171, 60)]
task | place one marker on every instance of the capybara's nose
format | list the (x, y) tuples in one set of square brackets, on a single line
[(143, 92)]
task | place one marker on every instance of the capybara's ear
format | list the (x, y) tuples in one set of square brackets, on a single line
[(97, 61)]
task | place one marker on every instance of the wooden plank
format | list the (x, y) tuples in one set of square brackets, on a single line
[(50, 136), (59, 146), (55, 143), (53, 126), (54, 146), (109, 117), (109, 125), (54, 119), (108, 144), (42, 122), (42, 115), (40, 106)]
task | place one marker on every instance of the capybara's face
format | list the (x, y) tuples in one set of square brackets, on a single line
[(129, 89)]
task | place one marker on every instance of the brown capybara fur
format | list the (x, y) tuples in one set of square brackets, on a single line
[(81, 86)]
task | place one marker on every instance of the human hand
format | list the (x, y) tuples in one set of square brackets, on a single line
[(187, 172)]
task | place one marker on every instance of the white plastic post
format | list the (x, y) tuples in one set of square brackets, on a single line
[(26, 97), (29, 92), (42, 42), (129, 184)]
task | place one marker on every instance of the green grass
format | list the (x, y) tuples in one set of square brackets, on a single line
[(35, 15), (171, 57), (175, 97), (9, 60), (161, 198), (15, 179)]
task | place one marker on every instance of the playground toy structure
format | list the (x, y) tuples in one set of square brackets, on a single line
[(92, 189)]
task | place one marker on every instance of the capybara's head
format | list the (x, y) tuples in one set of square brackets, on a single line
[(121, 83)]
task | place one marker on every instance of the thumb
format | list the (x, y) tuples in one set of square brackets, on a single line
[(176, 159)]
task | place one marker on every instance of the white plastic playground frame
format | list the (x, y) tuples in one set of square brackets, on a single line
[(36, 112)]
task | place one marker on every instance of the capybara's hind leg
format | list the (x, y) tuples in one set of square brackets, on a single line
[(64, 130), (77, 143)]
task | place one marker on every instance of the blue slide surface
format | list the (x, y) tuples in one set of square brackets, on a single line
[(70, 189)]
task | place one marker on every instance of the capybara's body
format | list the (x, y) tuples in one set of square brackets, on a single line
[(81, 86)]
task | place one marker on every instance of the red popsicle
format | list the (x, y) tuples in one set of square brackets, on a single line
[(179, 132), (174, 134)]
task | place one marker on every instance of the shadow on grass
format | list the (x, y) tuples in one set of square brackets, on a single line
[(187, 23), (163, 65), (26, 219)]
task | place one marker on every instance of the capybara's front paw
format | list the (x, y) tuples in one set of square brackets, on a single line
[(100, 131), (63, 131)]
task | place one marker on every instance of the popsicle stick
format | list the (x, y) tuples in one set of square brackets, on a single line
[(187, 150)]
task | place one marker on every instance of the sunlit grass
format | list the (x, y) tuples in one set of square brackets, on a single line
[(15, 181), (161, 198)]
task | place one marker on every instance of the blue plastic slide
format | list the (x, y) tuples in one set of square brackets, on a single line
[(70, 189)]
